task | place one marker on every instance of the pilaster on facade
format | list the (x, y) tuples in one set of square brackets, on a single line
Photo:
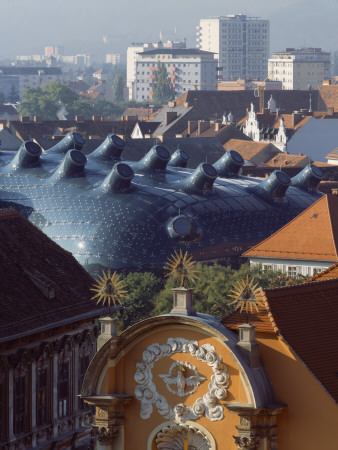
[(257, 427), (109, 419)]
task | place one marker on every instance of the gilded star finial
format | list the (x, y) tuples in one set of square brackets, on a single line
[(109, 288), (181, 268), (246, 295)]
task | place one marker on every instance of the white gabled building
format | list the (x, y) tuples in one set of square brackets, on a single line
[(188, 69)]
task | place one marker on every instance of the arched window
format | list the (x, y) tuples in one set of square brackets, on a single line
[(21, 397), (3, 402), (43, 390), (65, 381), (85, 353)]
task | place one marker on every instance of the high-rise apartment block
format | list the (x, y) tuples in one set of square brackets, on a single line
[(132, 56), (188, 69), (54, 50), (240, 43), (300, 69)]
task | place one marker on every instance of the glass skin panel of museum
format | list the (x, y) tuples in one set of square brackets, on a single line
[(133, 215)]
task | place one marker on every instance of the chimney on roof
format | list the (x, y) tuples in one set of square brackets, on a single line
[(248, 345), (326, 82), (192, 126), (79, 119), (171, 104), (170, 116), (108, 330), (183, 302), (296, 118), (330, 110), (334, 191), (97, 118), (37, 119), (217, 125), (24, 119), (202, 126), (301, 154)]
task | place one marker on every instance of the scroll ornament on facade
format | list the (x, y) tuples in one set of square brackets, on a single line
[(207, 405)]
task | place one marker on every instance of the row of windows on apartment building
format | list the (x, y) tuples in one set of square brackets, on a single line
[(170, 64), (293, 271), (33, 389)]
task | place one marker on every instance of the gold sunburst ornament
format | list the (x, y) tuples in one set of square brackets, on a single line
[(181, 268), (246, 295), (109, 288)]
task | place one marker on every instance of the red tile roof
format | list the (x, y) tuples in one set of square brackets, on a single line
[(46, 128), (211, 103), (283, 159), (327, 274), (312, 235), (32, 264), (306, 318), (257, 152)]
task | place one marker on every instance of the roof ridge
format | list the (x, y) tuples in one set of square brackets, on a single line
[(323, 272), (282, 228), (268, 311), (329, 206), (9, 212)]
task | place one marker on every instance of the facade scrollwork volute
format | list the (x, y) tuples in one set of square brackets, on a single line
[(247, 443), (106, 434), (85, 348)]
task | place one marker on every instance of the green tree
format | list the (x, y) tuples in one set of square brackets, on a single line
[(13, 95), (58, 92), (139, 304), (163, 91), (30, 105), (213, 288), (110, 110), (118, 89)]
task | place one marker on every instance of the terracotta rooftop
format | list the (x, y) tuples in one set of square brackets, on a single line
[(46, 128), (223, 132), (211, 103), (327, 274), (32, 267), (140, 113), (333, 154), (313, 235), (257, 152), (306, 317), (329, 96), (284, 159)]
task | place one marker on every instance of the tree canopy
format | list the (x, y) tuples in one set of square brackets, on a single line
[(163, 90), (118, 89), (148, 295), (47, 102)]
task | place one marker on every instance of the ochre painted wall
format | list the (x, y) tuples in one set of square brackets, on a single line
[(310, 420), (120, 379)]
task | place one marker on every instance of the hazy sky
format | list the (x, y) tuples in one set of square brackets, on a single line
[(28, 25)]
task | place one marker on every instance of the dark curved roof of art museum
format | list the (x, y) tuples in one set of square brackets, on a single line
[(134, 214)]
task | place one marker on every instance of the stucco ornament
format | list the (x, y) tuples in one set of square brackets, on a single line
[(172, 438), (207, 405), (180, 381)]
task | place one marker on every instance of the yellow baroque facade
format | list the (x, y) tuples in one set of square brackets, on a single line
[(182, 381)]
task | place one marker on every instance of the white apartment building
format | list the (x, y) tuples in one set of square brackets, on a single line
[(300, 69), (113, 58), (240, 43), (188, 69), (132, 56), (18, 78)]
